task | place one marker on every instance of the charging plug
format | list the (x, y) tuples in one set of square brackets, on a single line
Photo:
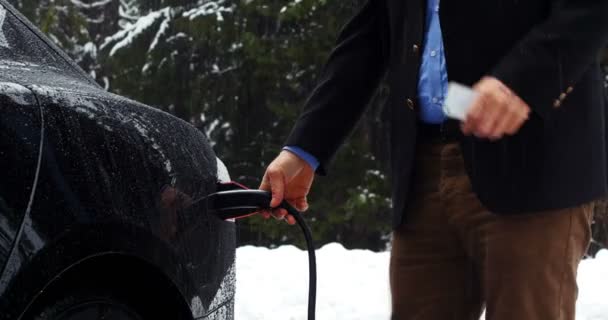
[(235, 201), (238, 204)]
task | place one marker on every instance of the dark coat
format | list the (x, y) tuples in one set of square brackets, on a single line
[(547, 51)]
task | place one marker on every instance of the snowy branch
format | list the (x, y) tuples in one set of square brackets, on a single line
[(132, 31), (128, 11), (209, 8), (97, 4), (161, 30)]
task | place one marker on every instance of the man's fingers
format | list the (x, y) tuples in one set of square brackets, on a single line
[(291, 220), (276, 179), (265, 185), (266, 214), (504, 122), (524, 110), (515, 125), (301, 204), (500, 105), (474, 115), (496, 112), (518, 114), (486, 126), (279, 213)]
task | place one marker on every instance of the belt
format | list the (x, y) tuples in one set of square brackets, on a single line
[(448, 131)]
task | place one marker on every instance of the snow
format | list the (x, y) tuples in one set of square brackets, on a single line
[(292, 4), (208, 8), (15, 92), (96, 4), (161, 31), (128, 10), (272, 284), (133, 30), (176, 36), (593, 284), (222, 172), (91, 49), (212, 127), (3, 42)]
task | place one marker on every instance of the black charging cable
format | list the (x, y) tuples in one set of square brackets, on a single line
[(312, 260), (239, 203)]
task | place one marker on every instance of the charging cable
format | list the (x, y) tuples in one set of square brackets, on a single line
[(234, 201)]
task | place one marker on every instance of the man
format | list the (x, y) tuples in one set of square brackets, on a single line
[(495, 211)]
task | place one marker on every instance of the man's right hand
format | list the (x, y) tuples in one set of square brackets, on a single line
[(289, 178)]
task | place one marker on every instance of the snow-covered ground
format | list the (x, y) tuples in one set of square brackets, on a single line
[(353, 284)]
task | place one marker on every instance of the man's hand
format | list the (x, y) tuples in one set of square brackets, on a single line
[(287, 177), (496, 112)]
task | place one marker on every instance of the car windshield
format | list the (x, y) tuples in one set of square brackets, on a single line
[(20, 47)]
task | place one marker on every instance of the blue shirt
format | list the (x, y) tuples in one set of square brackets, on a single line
[(432, 83)]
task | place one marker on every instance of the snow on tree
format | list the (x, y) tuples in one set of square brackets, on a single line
[(133, 30), (208, 8), (134, 24)]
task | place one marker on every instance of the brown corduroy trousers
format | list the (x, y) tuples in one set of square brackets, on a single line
[(453, 257)]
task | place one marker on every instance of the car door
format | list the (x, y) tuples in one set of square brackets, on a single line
[(21, 129), (20, 136), (21, 132)]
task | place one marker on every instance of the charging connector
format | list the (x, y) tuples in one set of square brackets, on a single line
[(236, 202)]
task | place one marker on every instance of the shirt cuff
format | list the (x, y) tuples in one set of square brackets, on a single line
[(309, 158)]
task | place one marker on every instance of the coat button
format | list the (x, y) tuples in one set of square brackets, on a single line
[(569, 90), (410, 103), (562, 96), (557, 104), (416, 48)]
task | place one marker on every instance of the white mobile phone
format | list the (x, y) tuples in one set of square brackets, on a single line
[(458, 101)]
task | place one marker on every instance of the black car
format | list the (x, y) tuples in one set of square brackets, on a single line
[(99, 217)]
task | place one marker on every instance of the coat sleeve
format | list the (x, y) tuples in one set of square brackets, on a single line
[(347, 83), (544, 66)]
